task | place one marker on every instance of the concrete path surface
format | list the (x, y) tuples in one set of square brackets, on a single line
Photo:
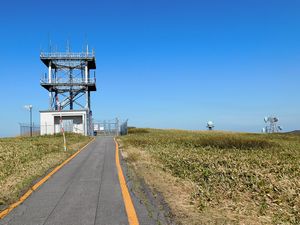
[(86, 191)]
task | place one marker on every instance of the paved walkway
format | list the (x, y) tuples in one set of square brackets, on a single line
[(86, 191)]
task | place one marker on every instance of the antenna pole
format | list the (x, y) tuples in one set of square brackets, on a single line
[(50, 43)]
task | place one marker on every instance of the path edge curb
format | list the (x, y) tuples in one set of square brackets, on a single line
[(129, 206)]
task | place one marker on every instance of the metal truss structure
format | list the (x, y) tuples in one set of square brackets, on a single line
[(272, 126), (69, 78)]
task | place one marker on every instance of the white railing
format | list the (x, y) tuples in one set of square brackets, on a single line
[(67, 55), (69, 81)]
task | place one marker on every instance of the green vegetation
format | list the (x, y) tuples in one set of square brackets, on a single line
[(133, 130), (25, 159), (234, 178)]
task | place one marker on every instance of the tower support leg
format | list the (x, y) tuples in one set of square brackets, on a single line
[(71, 100), (55, 102), (50, 100)]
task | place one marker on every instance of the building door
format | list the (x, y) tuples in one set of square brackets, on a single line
[(68, 125)]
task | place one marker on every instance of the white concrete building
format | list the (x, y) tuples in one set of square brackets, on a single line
[(72, 121)]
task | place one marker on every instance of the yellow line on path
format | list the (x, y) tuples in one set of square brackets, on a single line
[(38, 184), (131, 214)]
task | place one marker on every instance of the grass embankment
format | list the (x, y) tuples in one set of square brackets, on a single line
[(219, 177), (23, 160)]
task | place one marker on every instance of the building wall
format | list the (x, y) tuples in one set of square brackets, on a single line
[(73, 121)]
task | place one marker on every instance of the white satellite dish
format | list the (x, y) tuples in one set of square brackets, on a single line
[(210, 125), (266, 119)]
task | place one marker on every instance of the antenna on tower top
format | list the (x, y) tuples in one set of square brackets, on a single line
[(86, 43), (68, 46), (50, 43)]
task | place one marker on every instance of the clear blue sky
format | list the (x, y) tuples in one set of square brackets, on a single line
[(166, 64)]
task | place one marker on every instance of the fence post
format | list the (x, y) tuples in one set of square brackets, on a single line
[(117, 127)]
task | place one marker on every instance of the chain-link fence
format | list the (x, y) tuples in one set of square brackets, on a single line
[(103, 128), (29, 130), (124, 128), (110, 128), (56, 128), (35, 130), (107, 128)]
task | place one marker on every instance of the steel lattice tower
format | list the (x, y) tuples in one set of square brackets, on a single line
[(69, 79), (69, 76)]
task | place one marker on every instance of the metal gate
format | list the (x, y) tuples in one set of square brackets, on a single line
[(110, 128), (107, 128)]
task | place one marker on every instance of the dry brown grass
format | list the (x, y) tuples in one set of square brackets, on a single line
[(144, 166), (220, 178), (25, 159)]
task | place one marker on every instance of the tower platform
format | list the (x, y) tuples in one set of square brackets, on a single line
[(63, 85), (71, 57)]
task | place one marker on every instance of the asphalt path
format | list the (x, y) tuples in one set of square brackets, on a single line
[(86, 191)]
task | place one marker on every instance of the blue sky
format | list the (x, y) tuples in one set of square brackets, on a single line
[(165, 64)]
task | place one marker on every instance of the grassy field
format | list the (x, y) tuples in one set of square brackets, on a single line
[(23, 160), (219, 177)]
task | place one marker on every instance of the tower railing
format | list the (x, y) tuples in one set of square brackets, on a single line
[(68, 81), (72, 55)]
